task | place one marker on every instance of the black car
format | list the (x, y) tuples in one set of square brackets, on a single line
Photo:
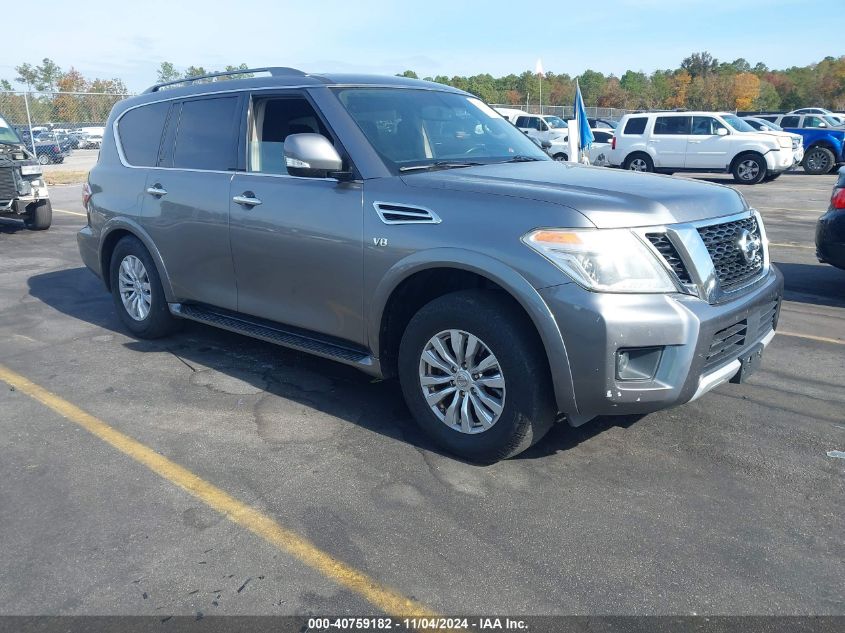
[(46, 151), (601, 123), (830, 229)]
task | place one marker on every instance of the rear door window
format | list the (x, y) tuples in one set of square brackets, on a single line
[(790, 121), (522, 121), (672, 125), (705, 125), (140, 133), (207, 134), (635, 125)]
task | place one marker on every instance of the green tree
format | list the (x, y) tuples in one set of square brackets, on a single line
[(700, 64), (167, 72), (592, 83), (410, 74), (638, 88), (43, 77)]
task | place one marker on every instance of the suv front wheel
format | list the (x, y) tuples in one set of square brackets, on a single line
[(475, 377), (137, 292), (749, 169)]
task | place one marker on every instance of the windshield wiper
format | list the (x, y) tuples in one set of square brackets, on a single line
[(521, 159), (440, 164)]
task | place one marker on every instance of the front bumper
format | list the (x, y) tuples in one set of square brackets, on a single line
[(779, 161), (595, 326)]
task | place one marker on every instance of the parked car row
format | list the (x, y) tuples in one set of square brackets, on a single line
[(53, 146), (752, 148)]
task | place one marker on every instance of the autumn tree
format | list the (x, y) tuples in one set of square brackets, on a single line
[(746, 89)]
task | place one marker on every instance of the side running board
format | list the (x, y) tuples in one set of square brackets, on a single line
[(275, 333)]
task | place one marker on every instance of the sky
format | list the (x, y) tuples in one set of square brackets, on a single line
[(129, 40)]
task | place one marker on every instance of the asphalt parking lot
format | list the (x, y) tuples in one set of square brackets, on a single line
[(728, 505)]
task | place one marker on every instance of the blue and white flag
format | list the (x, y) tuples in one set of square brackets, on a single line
[(585, 135)]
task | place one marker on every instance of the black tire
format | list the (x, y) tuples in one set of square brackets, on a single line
[(749, 169), (818, 160), (639, 161), (529, 409), (39, 215), (771, 177), (560, 156), (158, 321)]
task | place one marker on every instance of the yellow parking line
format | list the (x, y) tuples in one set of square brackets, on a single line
[(383, 597), (790, 245), (822, 339)]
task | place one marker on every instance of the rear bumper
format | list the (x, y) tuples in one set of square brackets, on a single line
[(596, 326), (830, 239), (89, 250)]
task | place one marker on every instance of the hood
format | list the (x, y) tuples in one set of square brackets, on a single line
[(609, 198)]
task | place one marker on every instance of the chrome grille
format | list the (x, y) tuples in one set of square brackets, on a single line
[(722, 242), (8, 190), (726, 344), (664, 246)]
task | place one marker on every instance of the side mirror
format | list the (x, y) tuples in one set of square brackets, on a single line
[(822, 124), (311, 155), (720, 131), (546, 144)]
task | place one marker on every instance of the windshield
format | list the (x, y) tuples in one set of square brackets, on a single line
[(7, 134), (426, 127), (555, 122), (736, 123), (831, 121), (768, 124)]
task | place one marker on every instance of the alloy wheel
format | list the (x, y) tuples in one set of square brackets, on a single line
[(638, 164), (748, 169), (134, 287), (462, 381)]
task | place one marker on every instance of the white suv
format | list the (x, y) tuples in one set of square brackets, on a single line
[(699, 141), (547, 127)]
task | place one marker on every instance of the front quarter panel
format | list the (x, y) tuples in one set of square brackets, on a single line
[(479, 233)]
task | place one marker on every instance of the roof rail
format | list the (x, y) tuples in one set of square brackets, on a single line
[(275, 71)]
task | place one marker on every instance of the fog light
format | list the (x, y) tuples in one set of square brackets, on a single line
[(637, 363)]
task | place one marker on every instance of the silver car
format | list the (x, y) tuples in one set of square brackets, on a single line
[(405, 228)]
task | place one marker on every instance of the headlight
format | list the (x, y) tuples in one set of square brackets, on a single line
[(30, 170), (785, 142), (602, 260)]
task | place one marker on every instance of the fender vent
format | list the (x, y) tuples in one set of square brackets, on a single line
[(392, 213)]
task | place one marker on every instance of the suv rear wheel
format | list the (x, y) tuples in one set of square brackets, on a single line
[(474, 376), (749, 169), (137, 292), (639, 162)]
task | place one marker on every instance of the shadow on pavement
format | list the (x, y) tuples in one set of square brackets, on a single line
[(818, 284), (329, 387)]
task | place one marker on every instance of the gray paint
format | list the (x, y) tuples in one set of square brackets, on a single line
[(316, 255)]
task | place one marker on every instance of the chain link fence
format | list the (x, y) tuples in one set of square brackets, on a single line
[(63, 130)]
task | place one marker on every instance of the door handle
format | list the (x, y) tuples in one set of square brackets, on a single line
[(694, 141), (247, 198), (156, 190)]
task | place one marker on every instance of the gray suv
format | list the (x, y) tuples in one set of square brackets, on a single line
[(407, 229)]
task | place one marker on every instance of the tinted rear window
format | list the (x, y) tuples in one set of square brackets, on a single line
[(635, 125), (790, 121), (672, 125), (140, 133), (207, 134)]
